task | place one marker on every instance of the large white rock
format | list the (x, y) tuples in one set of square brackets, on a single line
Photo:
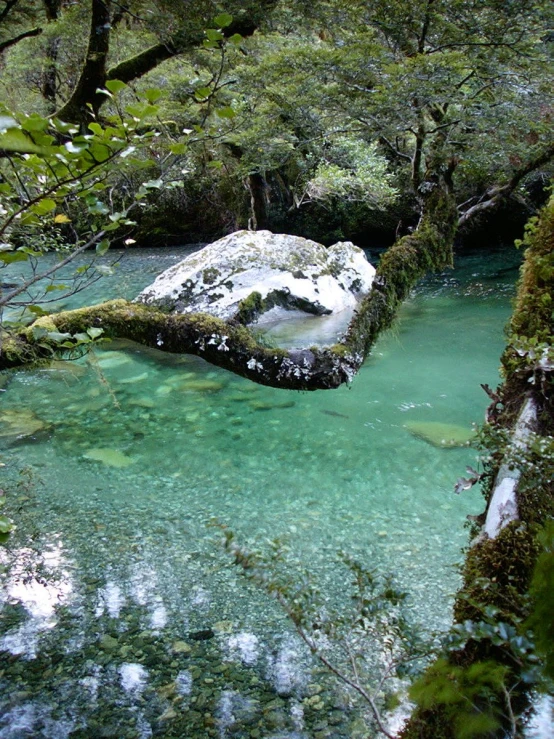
[(288, 271)]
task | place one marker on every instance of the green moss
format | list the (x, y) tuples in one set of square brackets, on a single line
[(210, 275), (497, 572), (250, 308)]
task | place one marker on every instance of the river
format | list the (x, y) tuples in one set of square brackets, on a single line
[(121, 615)]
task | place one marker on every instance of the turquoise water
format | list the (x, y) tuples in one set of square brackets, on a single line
[(114, 564)]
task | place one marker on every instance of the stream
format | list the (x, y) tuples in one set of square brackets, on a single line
[(120, 613)]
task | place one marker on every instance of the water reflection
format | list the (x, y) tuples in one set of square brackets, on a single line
[(38, 582)]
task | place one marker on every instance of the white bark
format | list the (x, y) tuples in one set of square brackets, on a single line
[(503, 503)]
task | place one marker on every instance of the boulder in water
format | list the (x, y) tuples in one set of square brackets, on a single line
[(248, 273)]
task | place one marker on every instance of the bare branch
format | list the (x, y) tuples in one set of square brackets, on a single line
[(16, 39)]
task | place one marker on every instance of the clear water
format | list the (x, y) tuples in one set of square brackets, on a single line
[(114, 564)]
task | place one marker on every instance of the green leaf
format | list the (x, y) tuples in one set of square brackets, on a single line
[(96, 128), (98, 208), (235, 39), (37, 311), (153, 94), (6, 525), (39, 332), (115, 86), (141, 110), (57, 336), (178, 148), (202, 93), (94, 333), (34, 122), (153, 184), (8, 257), (210, 44), (100, 152), (226, 112), (52, 288), (223, 20), (214, 35), (15, 140), (102, 246), (44, 206)]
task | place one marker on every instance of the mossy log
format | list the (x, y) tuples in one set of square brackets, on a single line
[(234, 347), (497, 571)]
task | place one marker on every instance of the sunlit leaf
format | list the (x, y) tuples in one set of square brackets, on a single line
[(115, 86), (15, 140), (202, 93), (153, 94), (226, 112), (8, 257)]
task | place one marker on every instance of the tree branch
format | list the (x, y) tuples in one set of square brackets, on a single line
[(16, 39), (494, 196), (8, 298), (7, 7)]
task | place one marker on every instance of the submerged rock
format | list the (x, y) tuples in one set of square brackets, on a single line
[(444, 435), (250, 273), (19, 424), (109, 457)]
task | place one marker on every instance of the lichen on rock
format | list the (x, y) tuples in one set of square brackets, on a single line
[(247, 274)]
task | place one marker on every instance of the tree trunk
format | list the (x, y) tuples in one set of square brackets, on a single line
[(258, 201), (50, 74), (85, 100), (498, 194)]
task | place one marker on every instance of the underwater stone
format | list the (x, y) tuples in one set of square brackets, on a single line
[(20, 424), (180, 647), (109, 457), (443, 435), (265, 272), (108, 643)]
